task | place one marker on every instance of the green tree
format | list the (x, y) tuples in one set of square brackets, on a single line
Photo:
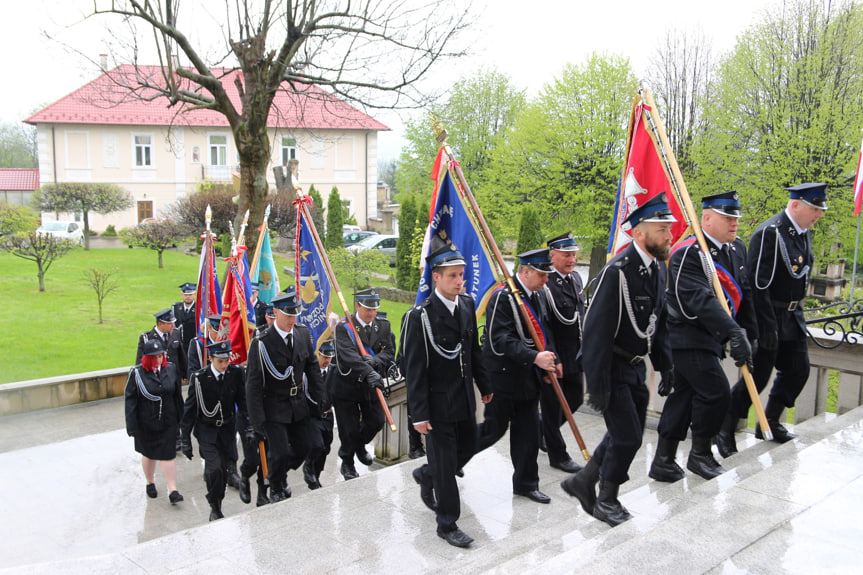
[(317, 209), (529, 231), (157, 235), (358, 270), (564, 152), (786, 109), (18, 146), (335, 222), (420, 224), (16, 219), (83, 197), (42, 249), (102, 284), (404, 255)]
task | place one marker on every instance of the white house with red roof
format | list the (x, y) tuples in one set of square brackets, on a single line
[(18, 184), (103, 133)]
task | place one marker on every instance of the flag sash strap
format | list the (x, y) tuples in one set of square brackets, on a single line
[(730, 287), (353, 335)]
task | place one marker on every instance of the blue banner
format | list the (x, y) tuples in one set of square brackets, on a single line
[(313, 285), (451, 223)]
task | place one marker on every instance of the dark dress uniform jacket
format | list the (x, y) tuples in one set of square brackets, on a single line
[(506, 357), (185, 322), (232, 394), (281, 401), (174, 349), (154, 422), (441, 389), (691, 295), (569, 300), (772, 298), (607, 325), (349, 380)]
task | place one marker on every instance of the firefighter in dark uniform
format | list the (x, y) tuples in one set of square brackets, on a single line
[(216, 393), (565, 297), (515, 368), (322, 419), (260, 308), (625, 324), (698, 331), (442, 362), (358, 412), (278, 410), (169, 338), (197, 356), (186, 315), (780, 261)]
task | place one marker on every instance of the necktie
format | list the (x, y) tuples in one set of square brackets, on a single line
[(289, 341), (654, 269), (726, 249), (221, 378)]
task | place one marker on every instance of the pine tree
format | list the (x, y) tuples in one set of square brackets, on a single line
[(317, 208), (529, 231), (421, 223), (335, 221), (404, 248)]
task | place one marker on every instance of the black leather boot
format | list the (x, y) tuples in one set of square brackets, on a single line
[(664, 467), (348, 470), (773, 411), (277, 492), (216, 510), (232, 478), (701, 461), (582, 485), (724, 440), (309, 476), (245, 490), (262, 494), (607, 507)]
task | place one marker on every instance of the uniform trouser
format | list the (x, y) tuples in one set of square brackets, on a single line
[(359, 422), (791, 360), (322, 441), (624, 420), (701, 396), (251, 458), (522, 417), (288, 445), (552, 414), (216, 456), (449, 446)]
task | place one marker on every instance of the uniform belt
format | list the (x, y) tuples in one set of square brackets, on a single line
[(631, 358), (786, 305)]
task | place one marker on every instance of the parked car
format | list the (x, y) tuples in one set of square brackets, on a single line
[(353, 237), (350, 228), (384, 243), (63, 230)]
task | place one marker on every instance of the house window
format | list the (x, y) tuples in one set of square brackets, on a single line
[(143, 151), (218, 150), (289, 149), (145, 210)]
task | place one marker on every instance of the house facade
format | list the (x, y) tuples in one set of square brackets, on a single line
[(17, 185), (158, 154)]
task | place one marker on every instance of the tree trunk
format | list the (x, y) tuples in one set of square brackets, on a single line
[(254, 149), (41, 275), (86, 230), (160, 259)]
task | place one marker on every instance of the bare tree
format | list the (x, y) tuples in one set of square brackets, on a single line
[(373, 53), (190, 210), (41, 248), (156, 235), (680, 73), (102, 283)]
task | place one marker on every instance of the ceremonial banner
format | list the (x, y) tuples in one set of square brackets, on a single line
[(265, 273), (644, 176), (858, 184), (208, 299), (450, 222), (238, 308), (313, 285)]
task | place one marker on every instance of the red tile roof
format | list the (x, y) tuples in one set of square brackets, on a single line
[(15, 179), (108, 100)]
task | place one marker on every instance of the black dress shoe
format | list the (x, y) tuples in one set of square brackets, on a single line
[(364, 457), (262, 496), (151, 491), (348, 470), (534, 495), (417, 453), (426, 491), (459, 472), (567, 465), (287, 491), (216, 511), (309, 476), (232, 478), (780, 434), (456, 537), (277, 495), (245, 490), (174, 497)]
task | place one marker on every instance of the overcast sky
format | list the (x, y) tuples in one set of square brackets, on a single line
[(530, 43)]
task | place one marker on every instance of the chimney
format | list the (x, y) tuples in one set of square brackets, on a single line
[(103, 62)]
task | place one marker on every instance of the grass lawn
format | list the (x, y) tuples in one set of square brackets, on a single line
[(57, 332)]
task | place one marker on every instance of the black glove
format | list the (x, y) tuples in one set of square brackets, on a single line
[(372, 360), (186, 447), (374, 380), (666, 383), (598, 401), (740, 351), (769, 340)]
